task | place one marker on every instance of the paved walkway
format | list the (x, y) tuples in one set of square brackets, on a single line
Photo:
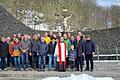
[(102, 69)]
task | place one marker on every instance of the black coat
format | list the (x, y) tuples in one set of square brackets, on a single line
[(51, 48), (4, 49), (89, 46), (80, 48)]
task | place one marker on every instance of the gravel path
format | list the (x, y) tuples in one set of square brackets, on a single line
[(102, 69)]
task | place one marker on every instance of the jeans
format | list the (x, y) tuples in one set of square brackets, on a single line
[(3, 62), (24, 59), (89, 57), (42, 61), (17, 62), (52, 59)]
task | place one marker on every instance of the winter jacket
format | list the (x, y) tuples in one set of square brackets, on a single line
[(80, 48), (47, 40), (72, 55), (11, 48), (73, 43), (16, 49), (51, 47), (34, 46), (25, 45), (89, 46), (68, 44), (42, 48), (4, 49)]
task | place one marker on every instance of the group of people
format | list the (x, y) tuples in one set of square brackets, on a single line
[(59, 52)]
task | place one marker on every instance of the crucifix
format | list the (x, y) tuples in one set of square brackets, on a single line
[(65, 18)]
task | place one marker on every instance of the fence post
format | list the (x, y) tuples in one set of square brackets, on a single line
[(116, 52), (97, 52)]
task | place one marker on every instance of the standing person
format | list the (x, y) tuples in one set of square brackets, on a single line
[(82, 38), (47, 40), (4, 51), (80, 53), (51, 49), (61, 53), (89, 52), (16, 54), (42, 50), (8, 59), (68, 45), (24, 47), (34, 51), (72, 56), (11, 51)]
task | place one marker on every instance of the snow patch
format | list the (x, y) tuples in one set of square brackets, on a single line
[(78, 77)]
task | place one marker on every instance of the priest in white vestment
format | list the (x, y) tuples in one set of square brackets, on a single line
[(61, 53)]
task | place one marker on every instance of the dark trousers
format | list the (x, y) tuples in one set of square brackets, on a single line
[(72, 64), (79, 62), (34, 60), (3, 63), (83, 59), (8, 60), (67, 62), (61, 67), (89, 57)]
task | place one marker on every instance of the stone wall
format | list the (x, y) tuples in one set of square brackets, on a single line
[(106, 39)]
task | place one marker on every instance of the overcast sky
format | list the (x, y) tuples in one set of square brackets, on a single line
[(108, 3)]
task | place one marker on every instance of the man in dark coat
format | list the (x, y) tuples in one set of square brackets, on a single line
[(42, 51), (4, 51), (51, 50), (34, 51), (89, 52)]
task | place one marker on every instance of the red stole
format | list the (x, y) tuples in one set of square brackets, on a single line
[(59, 50)]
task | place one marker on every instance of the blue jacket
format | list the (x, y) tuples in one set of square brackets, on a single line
[(72, 55), (42, 48), (89, 46)]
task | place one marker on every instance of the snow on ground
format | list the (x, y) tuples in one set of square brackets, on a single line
[(78, 77)]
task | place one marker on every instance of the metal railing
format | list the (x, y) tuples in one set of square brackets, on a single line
[(112, 53)]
